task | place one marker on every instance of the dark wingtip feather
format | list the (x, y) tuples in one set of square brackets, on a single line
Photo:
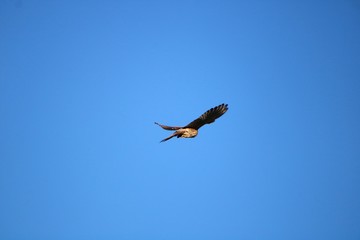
[(223, 107)]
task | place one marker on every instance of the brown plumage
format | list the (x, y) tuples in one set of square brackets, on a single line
[(191, 130)]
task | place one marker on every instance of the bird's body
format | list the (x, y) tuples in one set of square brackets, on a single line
[(188, 132), (191, 130)]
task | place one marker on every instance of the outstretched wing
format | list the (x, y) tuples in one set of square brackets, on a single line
[(167, 127), (208, 117)]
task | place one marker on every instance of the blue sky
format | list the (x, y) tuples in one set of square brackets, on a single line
[(82, 82)]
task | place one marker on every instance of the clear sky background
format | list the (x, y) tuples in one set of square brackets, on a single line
[(82, 82)]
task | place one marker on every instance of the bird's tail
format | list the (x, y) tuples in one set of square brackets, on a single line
[(167, 127), (171, 136)]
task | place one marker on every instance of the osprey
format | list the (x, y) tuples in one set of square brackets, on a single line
[(191, 130)]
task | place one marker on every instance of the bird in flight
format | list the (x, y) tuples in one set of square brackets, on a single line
[(191, 130)]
